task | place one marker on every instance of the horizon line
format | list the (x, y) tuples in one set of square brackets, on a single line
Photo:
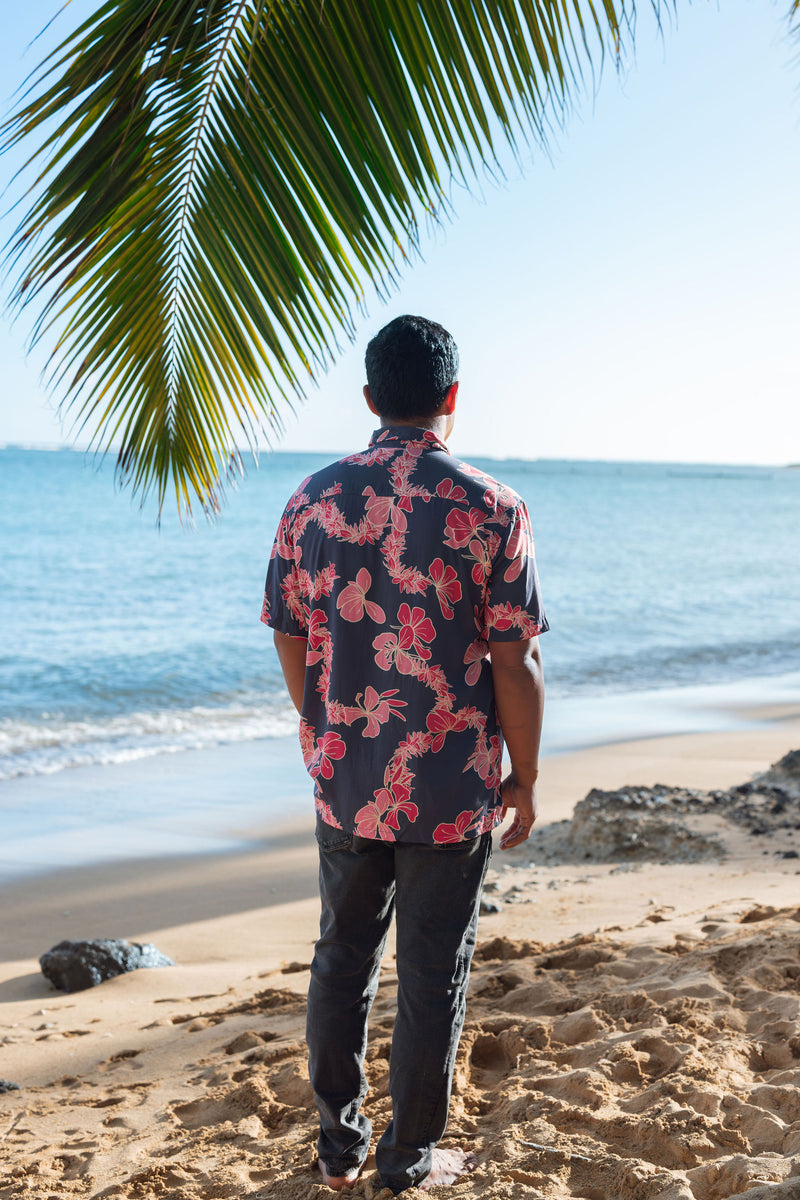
[(332, 455)]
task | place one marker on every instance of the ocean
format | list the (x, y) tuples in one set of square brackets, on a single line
[(122, 640)]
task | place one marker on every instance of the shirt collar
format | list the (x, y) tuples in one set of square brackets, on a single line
[(394, 435)]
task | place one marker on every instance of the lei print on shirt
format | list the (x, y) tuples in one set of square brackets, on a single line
[(320, 585), (406, 647), (368, 458)]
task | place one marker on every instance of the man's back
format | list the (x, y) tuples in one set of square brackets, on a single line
[(398, 564), (393, 573)]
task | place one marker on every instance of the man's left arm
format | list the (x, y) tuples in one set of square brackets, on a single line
[(514, 617), (292, 657)]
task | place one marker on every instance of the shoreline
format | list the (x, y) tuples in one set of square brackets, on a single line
[(274, 862), (221, 799)]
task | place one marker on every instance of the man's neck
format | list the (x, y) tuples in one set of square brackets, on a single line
[(440, 425)]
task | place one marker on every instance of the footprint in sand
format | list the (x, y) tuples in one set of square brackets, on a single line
[(250, 1040), (253, 1098)]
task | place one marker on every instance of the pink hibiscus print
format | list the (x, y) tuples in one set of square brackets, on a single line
[(483, 562), (448, 589), (473, 658), (379, 818), (378, 507), (282, 546), (378, 708), (399, 649), (445, 834), (448, 490), (387, 647), (485, 759), (462, 526), (399, 522), (415, 629), (318, 635), (430, 436), (518, 547), (353, 602), (495, 776), (440, 723), (329, 747), (381, 509)]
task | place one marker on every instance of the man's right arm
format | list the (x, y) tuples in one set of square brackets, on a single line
[(292, 657), (519, 698)]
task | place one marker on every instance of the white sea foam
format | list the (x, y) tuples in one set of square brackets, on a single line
[(43, 748)]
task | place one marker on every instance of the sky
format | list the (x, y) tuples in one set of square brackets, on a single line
[(632, 297)]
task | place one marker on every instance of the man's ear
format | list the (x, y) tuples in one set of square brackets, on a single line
[(448, 408), (368, 399)]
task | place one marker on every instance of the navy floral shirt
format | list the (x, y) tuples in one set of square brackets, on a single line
[(398, 565)]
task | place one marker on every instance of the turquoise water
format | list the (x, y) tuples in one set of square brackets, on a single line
[(119, 640)]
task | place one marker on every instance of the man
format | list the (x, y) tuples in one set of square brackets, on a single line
[(395, 574)]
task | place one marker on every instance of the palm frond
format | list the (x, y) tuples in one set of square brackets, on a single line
[(221, 181)]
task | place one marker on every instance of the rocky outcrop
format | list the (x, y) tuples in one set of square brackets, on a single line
[(638, 825), (75, 966)]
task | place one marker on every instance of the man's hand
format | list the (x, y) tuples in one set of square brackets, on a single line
[(523, 799), (519, 698)]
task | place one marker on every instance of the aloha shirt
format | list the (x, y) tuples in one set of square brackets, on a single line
[(398, 565)]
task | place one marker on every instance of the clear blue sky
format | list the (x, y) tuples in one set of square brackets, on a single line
[(634, 298)]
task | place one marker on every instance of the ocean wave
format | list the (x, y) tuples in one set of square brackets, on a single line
[(655, 666), (54, 741), (54, 744)]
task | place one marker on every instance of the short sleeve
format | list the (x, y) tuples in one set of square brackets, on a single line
[(282, 608), (514, 610)]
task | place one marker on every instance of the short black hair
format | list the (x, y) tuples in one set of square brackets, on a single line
[(411, 365)]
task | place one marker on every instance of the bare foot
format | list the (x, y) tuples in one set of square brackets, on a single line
[(448, 1166), (339, 1182)]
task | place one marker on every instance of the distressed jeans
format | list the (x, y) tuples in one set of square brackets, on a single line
[(435, 893)]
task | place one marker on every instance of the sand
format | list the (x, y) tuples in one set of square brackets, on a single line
[(632, 1030)]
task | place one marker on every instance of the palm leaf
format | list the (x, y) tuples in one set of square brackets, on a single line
[(221, 181)]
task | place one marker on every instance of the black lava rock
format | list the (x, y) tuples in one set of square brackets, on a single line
[(489, 906), (75, 966), (7, 1086), (790, 763)]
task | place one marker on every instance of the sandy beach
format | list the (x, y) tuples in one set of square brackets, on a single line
[(632, 1032)]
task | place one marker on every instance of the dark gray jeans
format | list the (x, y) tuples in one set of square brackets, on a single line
[(435, 891)]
